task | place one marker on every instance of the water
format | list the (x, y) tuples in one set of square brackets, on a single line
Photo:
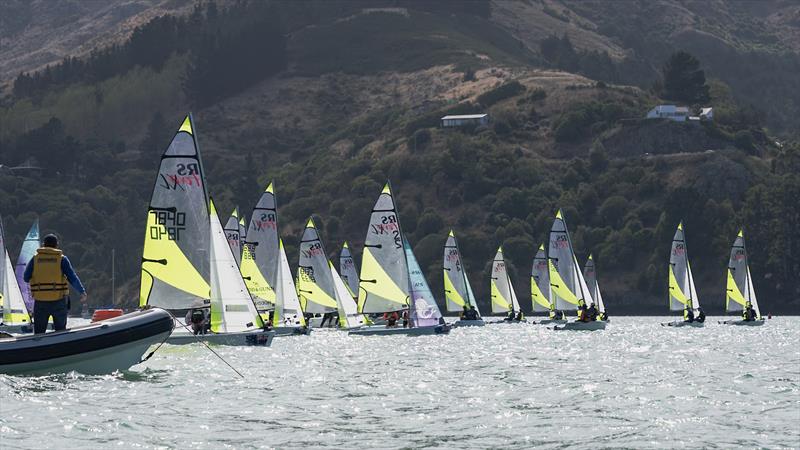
[(635, 385)]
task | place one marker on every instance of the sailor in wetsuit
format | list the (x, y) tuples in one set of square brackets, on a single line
[(470, 313), (197, 318), (583, 316), (520, 317), (510, 316), (701, 316), (592, 312), (688, 314), (749, 314), (391, 319)]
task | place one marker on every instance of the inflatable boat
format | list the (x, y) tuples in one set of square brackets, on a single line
[(97, 348)]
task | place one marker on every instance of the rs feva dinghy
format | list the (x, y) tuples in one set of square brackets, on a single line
[(457, 290), (97, 348), (739, 293), (391, 279), (682, 293)]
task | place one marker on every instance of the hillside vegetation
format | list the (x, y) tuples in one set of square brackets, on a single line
[(330, 116)]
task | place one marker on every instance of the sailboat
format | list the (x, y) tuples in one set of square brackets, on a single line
[(457, 290), (540, 288), (568, 290), (15, 314), (590, 274), (29, 247), (682, 293), (261, 252), (187, 262), (504, 298), (314, 278), (233, 235), (739, 291), (348, 271), (391, 280), (287, 318)]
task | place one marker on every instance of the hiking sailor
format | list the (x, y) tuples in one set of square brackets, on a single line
[(48, 273)]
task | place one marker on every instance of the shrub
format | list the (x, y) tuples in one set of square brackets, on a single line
[(500, 93)]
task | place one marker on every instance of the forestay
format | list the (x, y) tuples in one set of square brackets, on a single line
[(681, 285), (590, 275), (383, 284), (540, 282), (739, 289), (567, 285), (29, 247), (232, 307), (260, 255), (287, 306), (457, 291), (176, 256), (504, 299), (347, 268), (346, 305), (233, 235), (314, 280), (424, 312)]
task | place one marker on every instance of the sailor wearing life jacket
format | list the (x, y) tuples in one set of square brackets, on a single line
[(48, 273)]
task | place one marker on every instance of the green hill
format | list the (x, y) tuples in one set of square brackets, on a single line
[(346, 95)]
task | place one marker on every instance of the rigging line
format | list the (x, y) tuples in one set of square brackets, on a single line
[(206, 346)]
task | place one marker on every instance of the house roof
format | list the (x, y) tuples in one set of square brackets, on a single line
[(465, 116)]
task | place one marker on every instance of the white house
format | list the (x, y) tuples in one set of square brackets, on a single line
[(706, 113), (464, 120), (672, 112)]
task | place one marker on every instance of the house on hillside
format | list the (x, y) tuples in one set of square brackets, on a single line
[(679, 113), (465, 120)]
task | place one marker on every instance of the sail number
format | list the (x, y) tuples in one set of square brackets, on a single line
[(172, 223), (560, 241), (314, 249), (679, 249), (389, 226), (265, 222)]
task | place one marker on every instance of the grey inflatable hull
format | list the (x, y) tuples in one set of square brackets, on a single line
[(588, 326), (681, 323), (97, 348), (468, 323), (257, 337), (745, 323), (383, 331)]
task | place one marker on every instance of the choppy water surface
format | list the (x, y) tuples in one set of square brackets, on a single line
[(636, 385)]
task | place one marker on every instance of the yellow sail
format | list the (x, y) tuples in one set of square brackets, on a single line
[(498, 299), (537, 296), (451, 293), (733, 292), (254, 279), (375, 281), (675, 289), (558, 287)]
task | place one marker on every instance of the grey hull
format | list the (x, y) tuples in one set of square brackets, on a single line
[(468, 323), (746, 323), (588, 326), (259, 337), (681, 323), (550, 322), (383, 331), (292, 331)]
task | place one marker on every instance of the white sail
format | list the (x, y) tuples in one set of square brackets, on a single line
[(287, 306), (14, 311), (232, 307), (346, 304), (692, 290), (752, 294), (504, 299), (347, 268)]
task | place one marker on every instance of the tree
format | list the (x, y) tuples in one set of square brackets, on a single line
[(683, 80)]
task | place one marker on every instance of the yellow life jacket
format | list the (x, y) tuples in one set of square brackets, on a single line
[(48, 282), (685, 314)]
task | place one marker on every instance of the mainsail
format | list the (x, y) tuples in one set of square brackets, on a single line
[(14, 310), (348, 311), (540, 282), (347, 267), (232, 307), (287, 306), (233, 235), (424, 312), (29, 247), (504, 299), (457, 291), (176, 256), (681, 283), (383, 284), (314, 281), (567, 285), (260, 255), (242, 228), (739, 289), (590, 274)]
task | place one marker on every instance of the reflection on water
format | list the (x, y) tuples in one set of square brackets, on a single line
[(636, 385)]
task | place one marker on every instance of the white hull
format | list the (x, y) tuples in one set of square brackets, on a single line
[(383, 331), (588, 326), (746, 323), (682, 323), (257, 337)]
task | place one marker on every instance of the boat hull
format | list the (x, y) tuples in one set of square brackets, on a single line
[(682, 323), (260, 338), (383, 331), (94, 349), (588, 326), (745, 323), (550, 322), (292, 331), (17, 329), (468, 323)]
